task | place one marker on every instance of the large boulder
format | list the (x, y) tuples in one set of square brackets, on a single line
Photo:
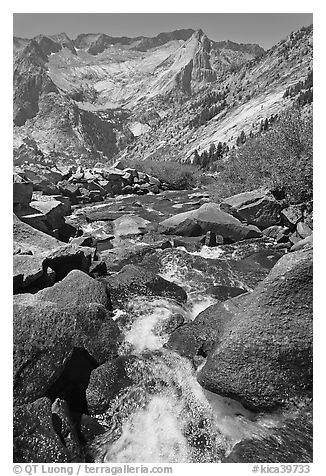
[(54, 212), (199, 336), (105, 383), (265, 357), (258, 207), (209, 217), (28, 270), (39, 258), (45, 337), (64, 259), (76, 289), (37, 438), (134, 281), (28, 238)]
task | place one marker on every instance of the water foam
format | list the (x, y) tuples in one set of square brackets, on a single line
[(208, 252)]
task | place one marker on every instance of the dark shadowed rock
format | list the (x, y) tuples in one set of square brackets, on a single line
[(208, 217), (258, 207), (22, 193), (265, 357), (35, 437), (105, 383), (211, 239), (70, 190), (54, 212), (136, 281), (68, 257), (45, 336), (223, 293)]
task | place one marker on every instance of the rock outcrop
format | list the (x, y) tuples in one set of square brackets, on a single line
[(38, 435), (136, 281), (45, 336), (258, 207), (265, 357), (209, 217)]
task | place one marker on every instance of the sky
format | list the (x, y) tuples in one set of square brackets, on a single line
[(265, 29)]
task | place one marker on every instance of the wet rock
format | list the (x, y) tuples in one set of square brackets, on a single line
[(199, 336), (171, 324), (103, 213), (66, 428), (198, 195), (118, 257), (223, 293), (258, 207), (105, 383), (53, 211), (35, 438), (290, 443), (208, 217), (45, 336), (191, 243), (90, 428), (129, 225), (136, 281), (76, 289), (265, 358)]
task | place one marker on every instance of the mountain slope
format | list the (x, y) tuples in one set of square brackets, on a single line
[(99, 96)]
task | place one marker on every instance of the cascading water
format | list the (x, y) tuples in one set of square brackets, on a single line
[(165, 415)]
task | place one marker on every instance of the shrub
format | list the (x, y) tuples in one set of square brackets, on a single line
[(178, 176), (280, 159)]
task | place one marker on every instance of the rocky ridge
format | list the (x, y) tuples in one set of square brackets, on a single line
[(143, 94)]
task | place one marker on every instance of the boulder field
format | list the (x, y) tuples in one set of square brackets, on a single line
[(75, 266)]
